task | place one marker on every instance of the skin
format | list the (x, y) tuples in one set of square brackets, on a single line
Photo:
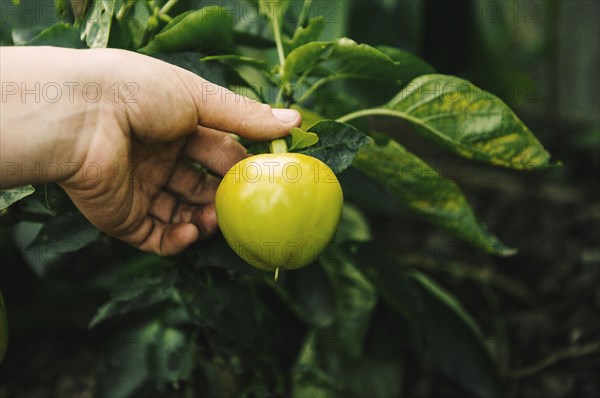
[(123, 162)]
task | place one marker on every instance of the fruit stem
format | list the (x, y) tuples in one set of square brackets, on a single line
[(279, 146), (276, 274)]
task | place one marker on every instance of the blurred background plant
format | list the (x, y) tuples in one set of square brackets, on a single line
[(537, 310)]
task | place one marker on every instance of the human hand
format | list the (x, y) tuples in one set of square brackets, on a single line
[(127, 168)]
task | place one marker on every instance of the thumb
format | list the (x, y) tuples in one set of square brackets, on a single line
[(222, 109)]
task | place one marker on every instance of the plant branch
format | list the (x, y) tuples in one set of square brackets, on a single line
[(300, 81), (570, 352), (277, 34), (313, 88), (478, 274), (164, 17), (279, 97), (374, 112), (167, 7), (304, 13), (325, 80)]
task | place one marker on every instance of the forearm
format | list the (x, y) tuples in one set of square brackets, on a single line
[(48, 113)]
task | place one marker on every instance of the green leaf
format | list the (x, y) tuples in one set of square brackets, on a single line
[(225, 307), (308, 293), (244, 75), (259, 147), (189, 60), (309, 377), (21, 35), (389, 276), (434, 322), (125, 368), (273, 9), (304, 58), (369, 195), (473, 123), (209, 29), (353, 226), (355, 299), (98, 23), (132, 20), (309, 118), (412, 66), (215, 252), (457, 347), (237, 60), (243, 38), (52, 197), (338, 144), (66, 233), (172, 357), (421, 189), (304, 35), (346, 59), (141, 292), (253, 31), (320, 371), (302, 139), (59, 35), (152, 353), (10, 196), (357, 91), (370, 63)]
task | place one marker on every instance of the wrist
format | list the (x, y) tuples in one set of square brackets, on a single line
[(50, 114)]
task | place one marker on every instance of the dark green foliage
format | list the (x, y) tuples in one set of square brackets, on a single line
[(207, 323)]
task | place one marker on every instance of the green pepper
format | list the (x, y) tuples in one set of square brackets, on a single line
[(279, 210)]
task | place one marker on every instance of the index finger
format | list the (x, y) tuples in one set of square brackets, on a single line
[(222, 109), (214, 149)]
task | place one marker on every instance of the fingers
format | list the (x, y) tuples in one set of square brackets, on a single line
[(214, 149), (168, 239), (222, 109), (173, 225), (192, 186)]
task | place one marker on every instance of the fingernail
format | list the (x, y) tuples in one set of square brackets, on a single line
[(285, 115)]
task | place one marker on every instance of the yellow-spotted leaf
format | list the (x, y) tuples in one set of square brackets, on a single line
[(468, 121), (420, 188)]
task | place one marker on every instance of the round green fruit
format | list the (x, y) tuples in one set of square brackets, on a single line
[(279, 210)]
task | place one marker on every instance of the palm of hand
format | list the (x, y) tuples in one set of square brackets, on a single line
[(148, 194)]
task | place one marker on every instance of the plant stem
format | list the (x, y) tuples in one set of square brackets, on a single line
[(279, 97), (325, 80), (375, 111), (570, 352), (277, 33), (167, 7), (304, 13), (279, 146), (165, 17), (300, 81), (280, 54)]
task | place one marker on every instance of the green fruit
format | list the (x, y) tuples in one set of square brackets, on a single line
[(3, 329), (279, 210)]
